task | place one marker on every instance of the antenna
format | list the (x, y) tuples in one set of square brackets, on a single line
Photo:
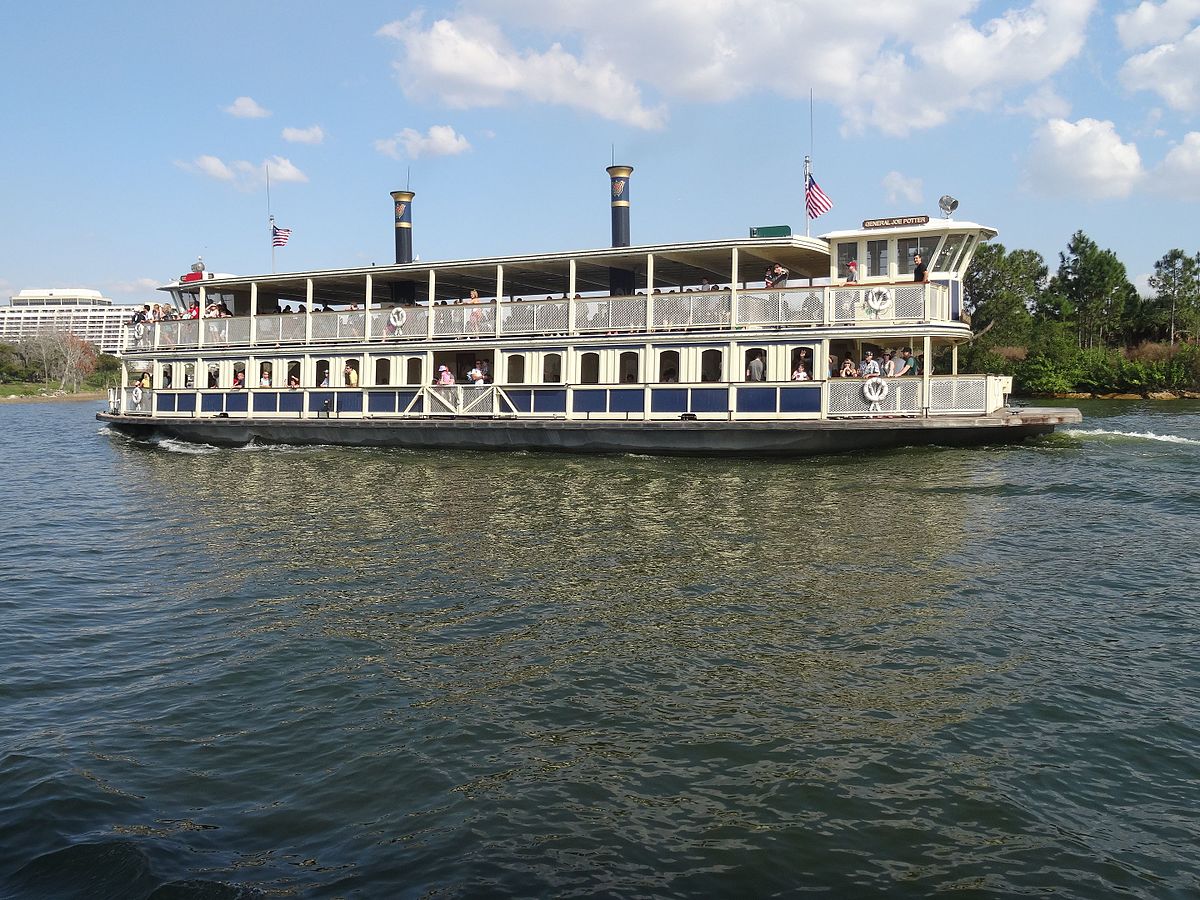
[(408, 179), (947, 205), (613, 155)]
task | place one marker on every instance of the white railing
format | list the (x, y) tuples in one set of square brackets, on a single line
[(882, 304), (136, 401), (853, 397), (958, 394)]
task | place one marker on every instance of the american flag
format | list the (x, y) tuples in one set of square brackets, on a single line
[(815, 200), (279, 236)]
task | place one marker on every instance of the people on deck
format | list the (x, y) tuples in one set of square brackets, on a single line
[(920, 273), (852, 273), (351, 375), (757, 368), (848, 369), (445, 376), (869, 368), (909, 365)]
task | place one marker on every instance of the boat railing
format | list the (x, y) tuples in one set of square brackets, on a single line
[(867, 304)]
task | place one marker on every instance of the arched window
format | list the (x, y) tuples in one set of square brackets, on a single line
[(803, 356), (293, 373), (413, 375), (189, 375), (589, 368), (383, 370), (168, 376), (627, 367), (552, 368), (322, 373), (711, 365), (668, 366), (350, 373), (265, 373), (516, 369), (755, 364), (214, 375)]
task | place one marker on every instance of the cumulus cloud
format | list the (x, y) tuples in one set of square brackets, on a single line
[(246, 108), (311, 135), (898, 187), (440, 140), (898, 75), (1155, 23), (1170, 70), (1043, 103), (1179, 173), (243, 174), (1083, 159)]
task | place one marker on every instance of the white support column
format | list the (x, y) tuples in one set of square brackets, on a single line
[(499, 296), (954, 359), (253, 313), (649, 291), (926, 359), (431, 299), (370, 288), (571, 298), (200, 322), (308, 313), (733, 288)]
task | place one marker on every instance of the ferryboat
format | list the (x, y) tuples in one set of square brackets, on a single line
[(719, 347)]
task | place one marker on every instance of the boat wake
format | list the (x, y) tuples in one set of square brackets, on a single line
[(173, 446), (1139, 435)]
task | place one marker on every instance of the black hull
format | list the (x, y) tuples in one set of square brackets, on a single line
[(666, 438)]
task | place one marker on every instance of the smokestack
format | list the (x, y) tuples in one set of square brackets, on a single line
[(403, 291), (620, 281)]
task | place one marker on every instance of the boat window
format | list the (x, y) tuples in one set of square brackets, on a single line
[(964, 255), (516, 368), (846, 253), (950, 248), (264, 374), (293, 370), (239, 374), (802, 356), (907, 248), (552, 368), (350, 373), (383, 370), (589, 368), (189, 375), (628, 366), (877, 259), (668, 366), (214, 375), (755, 364), (711, 364), (322, 373), (168, 376), (414, 372)]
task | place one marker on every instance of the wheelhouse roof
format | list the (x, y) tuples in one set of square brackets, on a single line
[(934, 226), (675, 265)]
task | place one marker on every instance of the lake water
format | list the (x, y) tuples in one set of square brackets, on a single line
[(339, 673)]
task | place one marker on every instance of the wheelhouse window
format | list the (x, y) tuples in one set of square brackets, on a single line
[(877, 259), (949, 252), (908, 248), (589, 368), (627, 366), (552, 368), (383, 371), (711, 365), (516, 369), (413, 375), (846, 253), (668, 366)]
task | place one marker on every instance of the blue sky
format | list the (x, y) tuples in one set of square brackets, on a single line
[(136, 134)]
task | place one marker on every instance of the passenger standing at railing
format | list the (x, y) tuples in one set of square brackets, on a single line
[(476, 374), (351, 374), (476, 314), (909, 363), (869, 367), (445, 376), (852, 273), (756, 370), (919, 271), (776, 276), (888, 369)]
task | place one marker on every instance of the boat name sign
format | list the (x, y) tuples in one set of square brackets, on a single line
[(901, 222)]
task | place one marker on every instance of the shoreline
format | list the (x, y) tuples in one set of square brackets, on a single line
[(52, 398), (1119, 395)]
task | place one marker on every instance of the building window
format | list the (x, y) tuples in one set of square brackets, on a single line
[(712, 364), (414, 371), (516, 369), (668, 366), (877, 259), (383, 371), (552, 368), (589, 368), (628, 367)]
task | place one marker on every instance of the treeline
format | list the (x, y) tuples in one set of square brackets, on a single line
[(1084, 328), (57, 358)]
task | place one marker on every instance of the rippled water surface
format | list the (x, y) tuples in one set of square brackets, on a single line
[(340, 673)]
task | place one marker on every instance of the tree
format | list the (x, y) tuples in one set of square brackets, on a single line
[(1002, 290), (1176, 282), (1094, 285)]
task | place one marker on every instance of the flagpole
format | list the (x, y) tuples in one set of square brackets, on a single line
[(807, 176), (270, 218)]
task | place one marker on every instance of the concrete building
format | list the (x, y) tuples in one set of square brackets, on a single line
[(84, 313)]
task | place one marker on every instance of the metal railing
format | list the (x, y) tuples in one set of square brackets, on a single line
[(881, 304)]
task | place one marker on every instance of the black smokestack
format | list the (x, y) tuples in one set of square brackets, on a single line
[(620, 281), (404, 291)]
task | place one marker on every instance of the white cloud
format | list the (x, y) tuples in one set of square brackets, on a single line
[(246, 108), (1170, 70), (1044, 103), (135, 286), (242, 174), (1179, 173), (1084, 159), (1155, 23), (311, 135), (899, 187), (913, 68), (440, 140)]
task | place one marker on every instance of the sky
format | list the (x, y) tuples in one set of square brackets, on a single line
[(136, 135)]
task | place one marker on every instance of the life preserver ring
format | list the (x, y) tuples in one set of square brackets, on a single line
[(874, 389), (136, 396), (397, 317), (877, 299), (139, 330)]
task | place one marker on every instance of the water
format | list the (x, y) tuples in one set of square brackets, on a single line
[(340, 673)]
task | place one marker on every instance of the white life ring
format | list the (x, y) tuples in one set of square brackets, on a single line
[(874, 390), (397, 317), (139, 330), (136, 396), (877, 299)]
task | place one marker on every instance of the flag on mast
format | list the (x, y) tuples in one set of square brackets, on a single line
[(816, 202), (279, 236)]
